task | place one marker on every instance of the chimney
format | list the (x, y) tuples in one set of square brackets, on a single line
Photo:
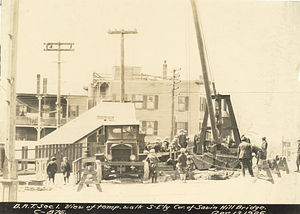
[(165, 70), (38, 83), (44, 85)]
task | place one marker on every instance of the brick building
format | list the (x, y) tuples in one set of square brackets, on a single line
[(153, 100)]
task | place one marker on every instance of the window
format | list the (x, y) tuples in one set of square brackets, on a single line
[(138, 101), (150, 102), (145, 101), (114, 132), (21, 134), (21, 110), (202, 104), (73, 111), (150, 127), (129, 132), (181, 125), (183, 103)]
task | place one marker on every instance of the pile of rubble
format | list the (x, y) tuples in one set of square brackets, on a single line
[(215, 175)]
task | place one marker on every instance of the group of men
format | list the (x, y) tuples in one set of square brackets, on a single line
[(180, 141), (245, 150)]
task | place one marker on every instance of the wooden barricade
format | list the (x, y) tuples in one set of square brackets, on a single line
[(282, 165), (263, 165), (89, 171)]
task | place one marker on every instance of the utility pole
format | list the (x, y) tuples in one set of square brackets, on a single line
[(174, 79), (122, 32), (10, 176), (39, 96), (50, 47)]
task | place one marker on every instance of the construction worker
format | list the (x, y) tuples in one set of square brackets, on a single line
[(182, 164), (245, 156), (165, 145), (264, 147), (153, 160), (298, 157), (182, 139), (157, 145), (257, 151)]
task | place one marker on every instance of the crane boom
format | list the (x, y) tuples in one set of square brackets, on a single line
[(204, 71)]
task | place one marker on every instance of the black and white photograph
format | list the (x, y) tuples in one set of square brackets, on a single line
[(150, 106)]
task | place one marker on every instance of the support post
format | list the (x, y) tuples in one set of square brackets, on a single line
[(10, 176)]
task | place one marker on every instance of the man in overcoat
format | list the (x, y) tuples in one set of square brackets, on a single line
[(245, 156)]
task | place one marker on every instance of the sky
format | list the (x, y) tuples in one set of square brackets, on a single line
[(253, 50)]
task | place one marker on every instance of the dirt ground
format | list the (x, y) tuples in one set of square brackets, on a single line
[(235, 190)]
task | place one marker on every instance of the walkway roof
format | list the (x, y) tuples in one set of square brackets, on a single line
[(105, 113)]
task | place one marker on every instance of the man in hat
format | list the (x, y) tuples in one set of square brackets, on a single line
[(153, 160), (51, 169), (245, 156), (165, 145), (157, 145), (264, 147), (182, 139), (298, 157)]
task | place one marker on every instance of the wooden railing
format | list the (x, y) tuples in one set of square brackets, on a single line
[(77, 168)]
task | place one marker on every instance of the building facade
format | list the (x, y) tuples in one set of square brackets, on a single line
[(27, 114), (152, 96)]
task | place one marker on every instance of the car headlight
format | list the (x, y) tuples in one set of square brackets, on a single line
[(132, 157), (109, 157)]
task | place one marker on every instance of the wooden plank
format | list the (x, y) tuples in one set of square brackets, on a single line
[(80, 150), (26, 156), (73, 152), (36, 151), (43, 151), (46, 151), (40, 151), (50, 151)]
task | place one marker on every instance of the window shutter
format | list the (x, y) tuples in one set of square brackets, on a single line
[(77, 110), (156, 101), (133, 97), (144, 124), (125, 97), (155, 128), (186, 103), (186, 126), (175, 131), (145, 102), (114, 97)]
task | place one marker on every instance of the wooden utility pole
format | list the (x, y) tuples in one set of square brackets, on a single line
[(50, 47), (204, 71), (122, 32), (10, 177), (174, 78), (39, 96)]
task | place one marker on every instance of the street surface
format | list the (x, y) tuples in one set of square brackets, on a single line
[(231, 191)]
